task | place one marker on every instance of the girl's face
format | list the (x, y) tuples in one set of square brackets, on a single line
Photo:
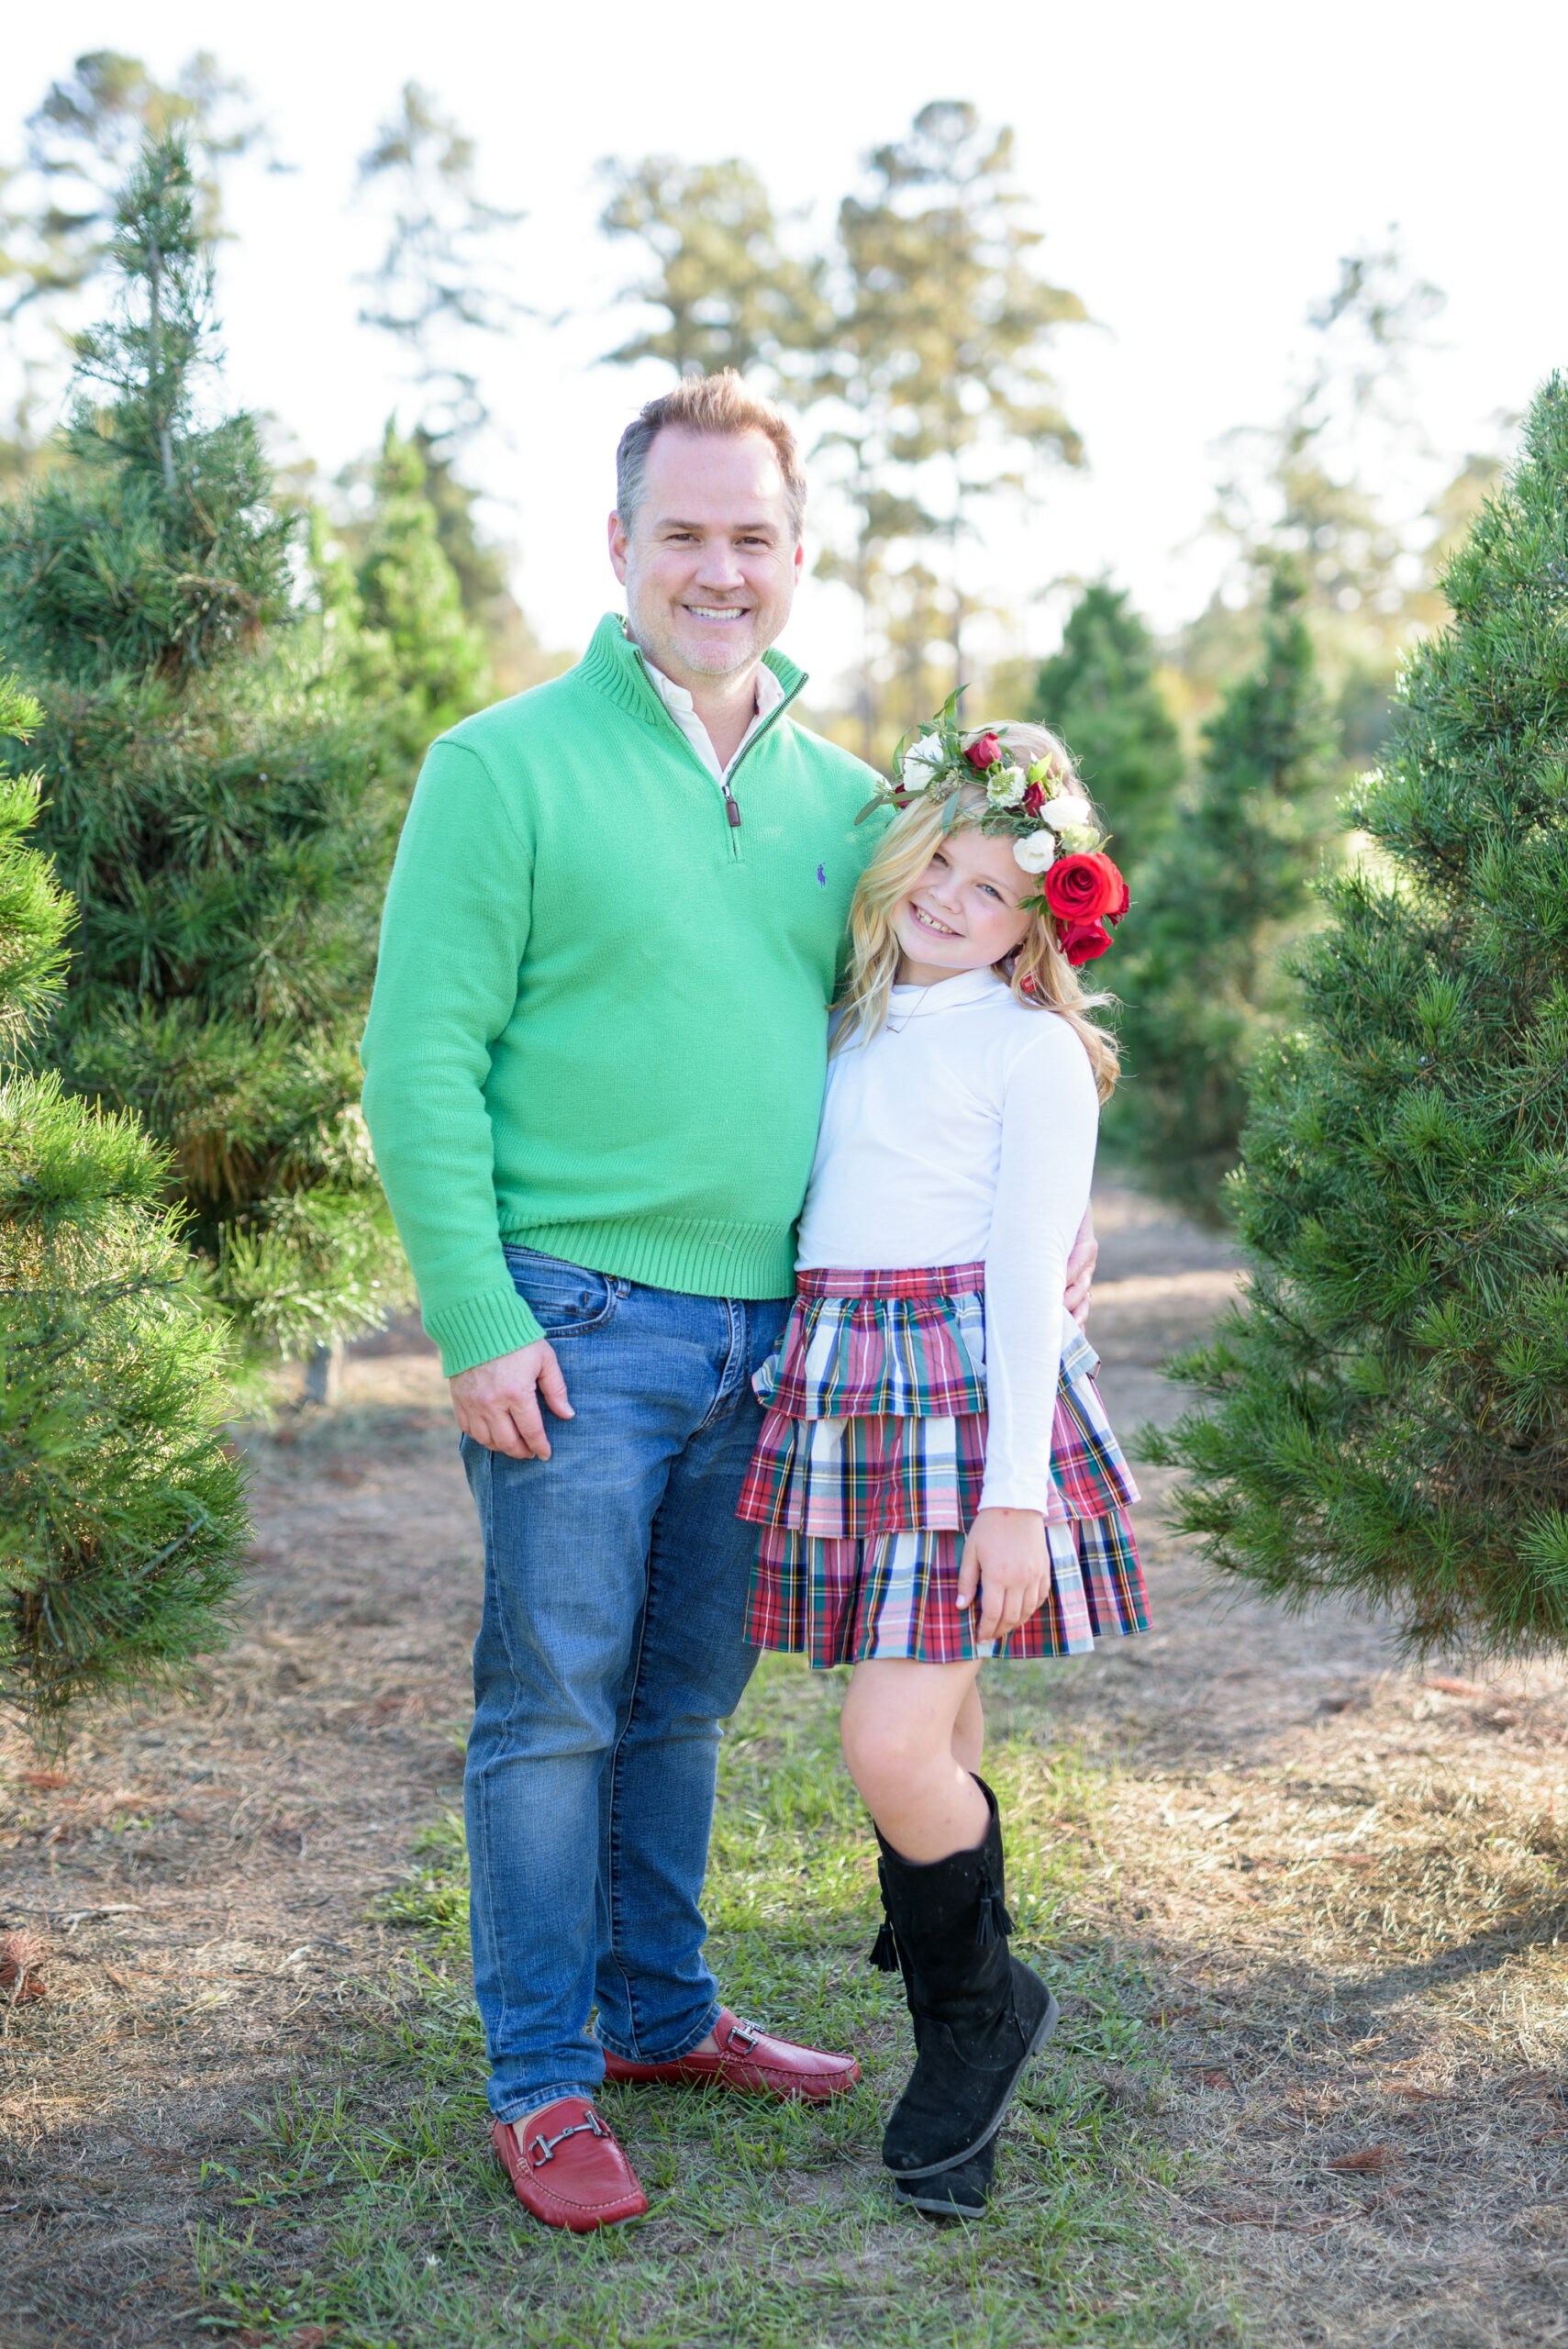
[(963, 911)]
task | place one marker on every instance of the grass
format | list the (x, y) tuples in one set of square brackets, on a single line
[(370, 2210)]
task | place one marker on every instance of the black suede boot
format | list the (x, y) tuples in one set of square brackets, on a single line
[(953, 2195), (978, 2013)]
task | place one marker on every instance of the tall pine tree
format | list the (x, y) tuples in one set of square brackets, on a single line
[(414, 655), (121, 1514), (212, 802), (1223, 895), (1099, 693), (731, 295), (1388, 1411), (939, 351), (431, 587)]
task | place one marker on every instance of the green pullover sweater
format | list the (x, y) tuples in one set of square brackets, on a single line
[(599, 1025)]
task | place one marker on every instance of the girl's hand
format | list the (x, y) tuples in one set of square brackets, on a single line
[(1081, 1270), (1006, 1561)]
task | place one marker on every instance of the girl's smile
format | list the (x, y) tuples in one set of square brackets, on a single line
[(929, 921)]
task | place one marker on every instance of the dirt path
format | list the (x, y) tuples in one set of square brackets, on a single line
[(1345, 1885)]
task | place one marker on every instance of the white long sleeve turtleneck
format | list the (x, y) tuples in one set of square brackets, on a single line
[(965, 1132)]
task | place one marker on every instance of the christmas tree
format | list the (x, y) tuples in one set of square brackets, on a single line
[(1227, 887), (413, 655), (483, 567), (1099, 693), (1388, 1411), (121, 1514), (212, 802)]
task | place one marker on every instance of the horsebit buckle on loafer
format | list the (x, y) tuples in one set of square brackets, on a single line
[(743, 2035), (542, 2149)]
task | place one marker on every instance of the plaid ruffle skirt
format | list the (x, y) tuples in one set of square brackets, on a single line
[(868, 1473)]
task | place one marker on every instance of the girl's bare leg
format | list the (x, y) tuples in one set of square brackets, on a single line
[(969, 1730), (907, 1731)]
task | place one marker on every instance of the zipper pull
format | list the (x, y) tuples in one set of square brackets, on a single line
[(732, 809)]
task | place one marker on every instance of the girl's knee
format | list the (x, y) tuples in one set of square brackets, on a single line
[(881, 1753)]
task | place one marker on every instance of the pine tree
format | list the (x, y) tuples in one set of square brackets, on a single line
[(483, 568), (412, 653), (445, 277), (1388, 1415), (121, 1513), (57, 221), (939, 350), (1099, 693), (1224, 894), (1301, 487), (731, 293), (212, 803)]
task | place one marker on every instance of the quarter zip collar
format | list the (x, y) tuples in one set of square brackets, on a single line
[(612, 666), (770, 695)]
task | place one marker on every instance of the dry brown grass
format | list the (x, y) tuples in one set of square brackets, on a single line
[(1357, 1954)]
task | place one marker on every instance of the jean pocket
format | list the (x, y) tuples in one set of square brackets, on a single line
[(566, 1300)]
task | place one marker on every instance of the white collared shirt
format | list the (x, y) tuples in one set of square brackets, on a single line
[(682, 709)]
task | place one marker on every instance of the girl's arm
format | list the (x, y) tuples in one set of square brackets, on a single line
[(1049, 1124)]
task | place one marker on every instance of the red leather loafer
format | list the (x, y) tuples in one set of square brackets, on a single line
[(750, 2062), (568, 2168)]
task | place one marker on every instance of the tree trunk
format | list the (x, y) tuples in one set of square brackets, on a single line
[(324, 1374), (868, 705)]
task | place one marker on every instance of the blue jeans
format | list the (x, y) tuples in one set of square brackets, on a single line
[(612, 1647)]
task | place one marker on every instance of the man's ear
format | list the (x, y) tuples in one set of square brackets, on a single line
[(619, 547), (799, 561)]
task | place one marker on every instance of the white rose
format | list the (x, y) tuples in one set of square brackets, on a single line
[(922, 760), (1037, 852), (1005, 789), (1064, 809)]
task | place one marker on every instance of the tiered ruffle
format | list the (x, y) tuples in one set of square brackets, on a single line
[(868, 1475)]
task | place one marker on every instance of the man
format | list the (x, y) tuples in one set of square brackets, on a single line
[(593, 1066)]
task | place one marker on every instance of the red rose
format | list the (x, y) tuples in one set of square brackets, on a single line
[(1081, 942), (983, 753), (1115, 913), (1082, 888), (1033, 800)]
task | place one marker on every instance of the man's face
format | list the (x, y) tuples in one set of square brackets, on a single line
[(711, 566)]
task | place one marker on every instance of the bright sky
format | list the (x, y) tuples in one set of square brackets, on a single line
[(1199, 170)]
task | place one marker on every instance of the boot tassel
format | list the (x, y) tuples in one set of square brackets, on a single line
[(993, 1924), (884, 1952)]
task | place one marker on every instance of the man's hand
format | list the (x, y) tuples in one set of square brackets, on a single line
[(1005, 1560), (497, 1402), (1081, 1270)]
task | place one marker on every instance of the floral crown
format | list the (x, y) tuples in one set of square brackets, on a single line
[(1052, 828)]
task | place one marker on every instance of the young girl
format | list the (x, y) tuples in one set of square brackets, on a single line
[(936, 1480)]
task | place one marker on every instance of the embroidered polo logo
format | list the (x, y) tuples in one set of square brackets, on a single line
[(821, 878)]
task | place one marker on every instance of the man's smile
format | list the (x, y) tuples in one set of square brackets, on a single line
[(715, 611)]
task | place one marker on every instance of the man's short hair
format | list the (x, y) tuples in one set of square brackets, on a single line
[(717, 404)]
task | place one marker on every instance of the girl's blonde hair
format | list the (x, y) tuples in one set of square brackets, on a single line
[(1041, 976)]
